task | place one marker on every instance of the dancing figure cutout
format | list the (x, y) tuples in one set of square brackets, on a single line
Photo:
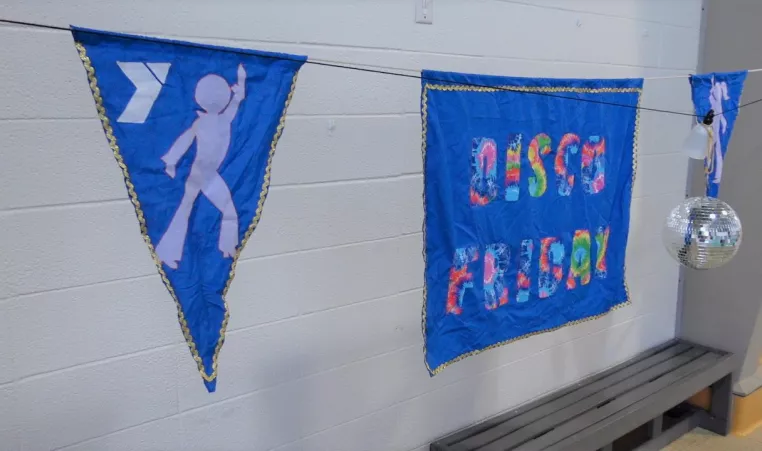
[(211, 131), (717, 94)]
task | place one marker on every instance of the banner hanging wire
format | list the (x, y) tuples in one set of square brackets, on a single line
[(382, 70)]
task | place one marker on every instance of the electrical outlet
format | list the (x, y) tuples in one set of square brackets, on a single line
[(424, 11)]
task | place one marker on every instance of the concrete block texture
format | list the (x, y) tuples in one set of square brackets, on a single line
[(324, 350)]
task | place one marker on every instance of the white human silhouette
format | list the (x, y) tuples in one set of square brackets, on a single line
[(211, 131), (717, 94)]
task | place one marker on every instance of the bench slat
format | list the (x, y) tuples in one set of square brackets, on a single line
[(637, 397), (465, 433), (606, 406), (555, 406), (638, 413), (578, 412)]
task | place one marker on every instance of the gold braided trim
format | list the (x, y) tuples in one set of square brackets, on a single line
[(424, 133), (634, 177), (436, 87), (209, 377)]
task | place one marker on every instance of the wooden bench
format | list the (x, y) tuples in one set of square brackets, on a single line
[(642, 401)]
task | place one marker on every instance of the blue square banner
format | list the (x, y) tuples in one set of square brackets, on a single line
[(527, 192)]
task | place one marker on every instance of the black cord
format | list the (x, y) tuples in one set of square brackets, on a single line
[(31, 24), (384, 72)]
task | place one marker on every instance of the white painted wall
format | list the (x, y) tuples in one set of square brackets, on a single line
[(323, 354)]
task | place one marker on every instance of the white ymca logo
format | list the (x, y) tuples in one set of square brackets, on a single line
[(148, 79)]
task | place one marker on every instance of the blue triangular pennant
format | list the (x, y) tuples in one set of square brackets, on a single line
[(194, 129), (721, 93)]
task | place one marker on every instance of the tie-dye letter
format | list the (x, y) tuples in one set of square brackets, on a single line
[(580, 260), (551, 266), (483, 171), (522, 280), (602, 243), (539, 147), (513, 167), (460, 278), (569, 145), (496, 261), (594, 165)]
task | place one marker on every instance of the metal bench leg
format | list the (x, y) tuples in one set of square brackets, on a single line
[(655, 426), (718, 420)]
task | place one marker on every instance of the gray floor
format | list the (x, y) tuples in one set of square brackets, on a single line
[(701, 440)]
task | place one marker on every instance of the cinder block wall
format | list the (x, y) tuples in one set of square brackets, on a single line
[(324, 350)]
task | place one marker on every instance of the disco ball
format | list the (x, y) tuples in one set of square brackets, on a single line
[(702, 233)]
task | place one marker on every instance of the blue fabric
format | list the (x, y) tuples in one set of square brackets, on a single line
[(721, 92), (197, 152), (484, 228)]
